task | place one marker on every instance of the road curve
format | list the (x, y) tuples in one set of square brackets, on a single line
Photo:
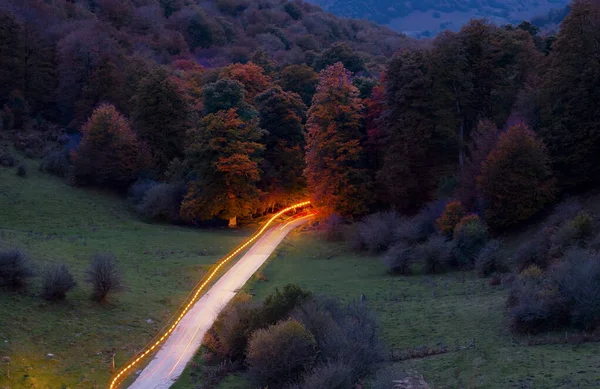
[(169, 362)]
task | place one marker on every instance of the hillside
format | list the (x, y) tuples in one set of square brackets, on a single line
[(428, 17)]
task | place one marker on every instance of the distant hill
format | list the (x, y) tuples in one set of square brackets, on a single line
[(428, 17)]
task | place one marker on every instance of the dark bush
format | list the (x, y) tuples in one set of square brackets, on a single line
[(353, 239), (332, 227), (7, 160), (578, 278), (563, 212), (281, 353), (426, 219), (491, 259), (137, 191), (408, 230), (22, 171), (277, 306), (452, 215), (15, 269), (104, 276), (332, 375), (56, 282), (162, 202), (435, 254), (535, 251), (377, 230), (399, 258), (56, 163), (573, 232), (470, 236)]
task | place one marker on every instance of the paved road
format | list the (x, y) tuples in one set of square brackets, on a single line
[(179, 348)]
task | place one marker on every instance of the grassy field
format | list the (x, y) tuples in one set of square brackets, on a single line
[(458, 311), (56, 223)]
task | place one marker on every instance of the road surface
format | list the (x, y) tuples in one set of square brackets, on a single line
[(169, 362)]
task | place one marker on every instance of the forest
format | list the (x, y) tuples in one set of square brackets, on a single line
[(230, 109)]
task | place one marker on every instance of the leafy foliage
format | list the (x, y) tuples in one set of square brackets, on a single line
[(450, 218)]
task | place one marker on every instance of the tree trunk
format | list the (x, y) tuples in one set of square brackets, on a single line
[(233, 222)]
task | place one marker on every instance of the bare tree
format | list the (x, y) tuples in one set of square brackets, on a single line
[(104, 276)]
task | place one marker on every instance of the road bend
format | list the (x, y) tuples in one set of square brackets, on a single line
[(169, 362)]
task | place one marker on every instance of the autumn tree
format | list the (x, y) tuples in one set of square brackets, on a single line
[(110, 153), (251, 76), (416, 150), (570, 125), (334, 155), (301, 79), (341, 52), (282, 115), (226, 94), (162, 115), (516, 178), (223, 152)]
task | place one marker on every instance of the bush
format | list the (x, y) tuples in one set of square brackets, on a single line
[(162, 202), (563, 212), (104, 276), (428, 216), (535, 251), (137, 191), (332, 375), (56, 163), (399, 258), (377, 230), (15, 269), (353, 239), (470, 236), (22, 171), (578, 278), (408, 230), (278, 305), (56, 282), (280, 353), (332, 227), (451, 216), (491, 259), (435, 254), (7, 160)]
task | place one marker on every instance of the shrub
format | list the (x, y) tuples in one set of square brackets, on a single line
[(280, 353), (162, 202), (56, 282), (22, 171), (7, 160), (491, 259), (399, 258), (578, 278), (332, 227), (564, 211), (104, 276), (56, 163), (278, 305), (469, 238), (377, 230), (516, 178), (426, 219), (434, 254), (332, 375), (137, 191), (408, 230), (451, 216), (535, 251), (352, 237), (15, 269)]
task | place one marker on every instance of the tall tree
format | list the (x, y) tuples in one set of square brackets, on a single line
[(300, 79), (250, 75), (110, 153), (417, 151), (570, 122), (334, 155), (226, 94), (223, 152), (282, 115), (516, 178), (162, 116)]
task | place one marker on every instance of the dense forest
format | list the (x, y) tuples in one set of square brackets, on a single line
[(229, 109)]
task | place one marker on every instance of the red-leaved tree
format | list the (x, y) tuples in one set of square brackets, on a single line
[(516, 179)]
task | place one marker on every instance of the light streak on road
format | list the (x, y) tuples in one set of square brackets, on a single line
[(123, 372)]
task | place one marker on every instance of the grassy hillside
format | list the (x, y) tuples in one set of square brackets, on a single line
[(56, 223)]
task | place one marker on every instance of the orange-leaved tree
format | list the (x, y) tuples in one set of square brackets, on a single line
[(452, 215), (250, 75), (516, 178), (334, 155), (110, 153), (224, 154)]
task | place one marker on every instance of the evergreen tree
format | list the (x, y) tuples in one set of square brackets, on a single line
[(223, 152), (162, 115), (300, 79), (282, 115), (334, 155), (570, 124), (226, 94)]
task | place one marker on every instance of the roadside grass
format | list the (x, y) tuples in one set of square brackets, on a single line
[(71, 344), (456, 311)]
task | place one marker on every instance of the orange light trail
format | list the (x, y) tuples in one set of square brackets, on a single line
[(122, 373)]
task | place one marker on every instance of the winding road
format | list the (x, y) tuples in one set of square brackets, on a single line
[(169, 362)]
